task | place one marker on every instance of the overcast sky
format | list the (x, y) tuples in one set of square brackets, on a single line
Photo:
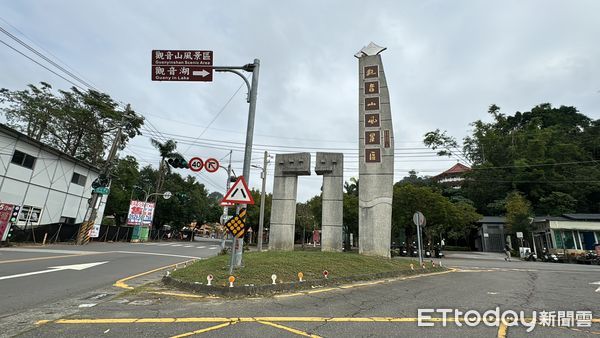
[(446, 62)]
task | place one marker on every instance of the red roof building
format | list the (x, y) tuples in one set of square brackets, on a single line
[(452, 177)]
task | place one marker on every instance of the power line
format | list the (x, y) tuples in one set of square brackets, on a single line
[(41, 65)]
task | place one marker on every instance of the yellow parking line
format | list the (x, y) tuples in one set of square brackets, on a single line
[(211, 328), (289, 329), (121, 282)]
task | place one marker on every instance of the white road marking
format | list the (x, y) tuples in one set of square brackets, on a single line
[(176, 244), (201, 247), (74, 252), (77, 267), (87, 305), (213, 247), (188, 246), (155, 254), (596, 283)]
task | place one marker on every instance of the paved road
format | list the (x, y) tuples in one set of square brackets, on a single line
[(25, 290), (379, 310)]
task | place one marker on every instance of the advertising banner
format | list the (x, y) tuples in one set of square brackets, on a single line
[(136, 209)]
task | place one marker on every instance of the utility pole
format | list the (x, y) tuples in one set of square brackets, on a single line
[(262, 204), (83, 236)]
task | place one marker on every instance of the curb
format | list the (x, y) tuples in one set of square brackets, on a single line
[(269, 289)]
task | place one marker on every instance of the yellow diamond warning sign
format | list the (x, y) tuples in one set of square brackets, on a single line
[(237, 224)]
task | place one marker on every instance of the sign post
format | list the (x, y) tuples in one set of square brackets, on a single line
[(419, 220)]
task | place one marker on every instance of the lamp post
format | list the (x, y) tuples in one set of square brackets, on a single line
[(251, 99)]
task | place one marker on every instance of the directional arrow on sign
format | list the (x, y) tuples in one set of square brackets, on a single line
[(202, 73), (77, 267), (596, 283)]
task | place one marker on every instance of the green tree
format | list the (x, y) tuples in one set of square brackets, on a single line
[(125, 177), (81, 124), (518, 213), (166, 151), (557, 203), (538, 152)]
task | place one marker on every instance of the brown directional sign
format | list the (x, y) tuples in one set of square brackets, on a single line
[(182, 65)]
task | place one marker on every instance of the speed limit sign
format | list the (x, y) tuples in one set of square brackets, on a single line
[(196, 164)]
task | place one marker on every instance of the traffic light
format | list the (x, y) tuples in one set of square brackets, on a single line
[(15, 214), (178, 162), (102, 181)]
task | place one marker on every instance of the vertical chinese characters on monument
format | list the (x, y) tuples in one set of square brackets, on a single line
[(376, 152)]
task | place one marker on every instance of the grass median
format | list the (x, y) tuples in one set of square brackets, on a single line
[(259, 266)]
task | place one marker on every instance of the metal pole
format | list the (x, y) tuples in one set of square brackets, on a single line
[(419, 241), (262, 205), (249, 140)]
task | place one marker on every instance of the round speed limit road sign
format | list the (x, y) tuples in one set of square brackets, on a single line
[(196, 164)]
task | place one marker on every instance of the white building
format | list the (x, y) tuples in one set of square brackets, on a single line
[(51, 186), (569, 232)]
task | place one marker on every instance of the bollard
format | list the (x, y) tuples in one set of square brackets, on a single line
[(231, 280), (300, 275), (412, 267), (274, 278), (441, 263), (209, 279), (432, 264), (423, 266), (325, 274)]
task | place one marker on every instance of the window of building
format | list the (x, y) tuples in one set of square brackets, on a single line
[(30, 214), (67, 220), (78, 179), (22, 159)]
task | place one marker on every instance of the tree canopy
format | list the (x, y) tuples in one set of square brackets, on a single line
[(79, 123), (548, 154)]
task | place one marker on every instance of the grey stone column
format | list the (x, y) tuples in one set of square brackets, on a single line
[(331, 166), (283, 208), (376, 155)]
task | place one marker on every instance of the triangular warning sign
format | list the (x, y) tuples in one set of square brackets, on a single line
[(239, 193)]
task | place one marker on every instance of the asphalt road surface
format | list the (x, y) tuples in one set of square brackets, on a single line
[(479, 282), (60, 278)]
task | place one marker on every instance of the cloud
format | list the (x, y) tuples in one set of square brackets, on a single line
[(446, 63)]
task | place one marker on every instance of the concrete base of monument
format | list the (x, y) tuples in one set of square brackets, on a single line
[(287, 273)]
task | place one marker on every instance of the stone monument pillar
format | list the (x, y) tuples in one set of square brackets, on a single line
[(376, 155), (283, 208), (331, 166)]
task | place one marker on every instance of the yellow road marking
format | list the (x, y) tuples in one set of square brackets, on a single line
[(212, 328), (176, 294), (502, 328), (46, 257), (289, 329), (42, 322), (121, 282)]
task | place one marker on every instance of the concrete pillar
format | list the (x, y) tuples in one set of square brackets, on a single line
[(331, 166), (285, 188), (376, 155)]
